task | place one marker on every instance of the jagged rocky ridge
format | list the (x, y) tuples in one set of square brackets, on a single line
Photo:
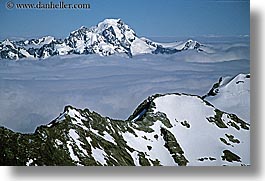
[(112, 36), (169, 129)]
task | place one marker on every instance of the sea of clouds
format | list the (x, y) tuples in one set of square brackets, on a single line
[(35, 92)]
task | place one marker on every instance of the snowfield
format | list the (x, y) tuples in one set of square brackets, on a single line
[(33, 92), (233, 95), (195, 141)]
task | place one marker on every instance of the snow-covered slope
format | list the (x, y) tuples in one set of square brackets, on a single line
[(232, 94), (195, 123), (111, 36), (169, 129)]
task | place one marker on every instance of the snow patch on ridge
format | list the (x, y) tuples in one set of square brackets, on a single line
[(76, 139)]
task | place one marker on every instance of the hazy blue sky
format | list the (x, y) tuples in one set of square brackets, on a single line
[(147, 17)]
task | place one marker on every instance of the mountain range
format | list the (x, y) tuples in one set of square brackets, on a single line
[(112, 36), (165, 129)]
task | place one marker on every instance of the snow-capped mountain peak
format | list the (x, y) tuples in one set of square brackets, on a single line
[(191, 44), (111, 36), (118, 26), (7, 42), (46, 40)]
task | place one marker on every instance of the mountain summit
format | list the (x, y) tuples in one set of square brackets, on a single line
[(111, 36)]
